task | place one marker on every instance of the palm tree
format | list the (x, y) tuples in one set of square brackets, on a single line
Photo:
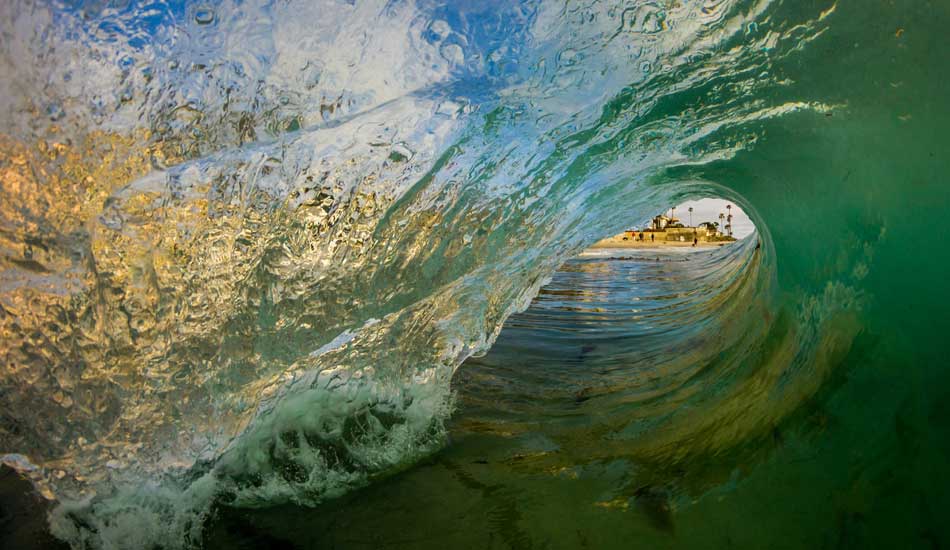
[(672, 214), (691, 216), (721, 216), (729, 224)]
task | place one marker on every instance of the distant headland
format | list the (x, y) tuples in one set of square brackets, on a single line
[(665, 231)]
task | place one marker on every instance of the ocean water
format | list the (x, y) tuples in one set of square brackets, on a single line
[(564, 427), (257, 258)]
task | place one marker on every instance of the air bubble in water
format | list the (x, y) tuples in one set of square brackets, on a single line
[(645, 19), (453, 54), (204, 15), (567, 58), (439, 29), (400, 153), (55, 111)]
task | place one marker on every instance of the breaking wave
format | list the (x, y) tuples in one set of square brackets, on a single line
[(246, 247)]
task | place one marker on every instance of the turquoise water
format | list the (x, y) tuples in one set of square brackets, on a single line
[(256, 258)]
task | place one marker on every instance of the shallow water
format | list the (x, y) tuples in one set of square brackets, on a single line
[(247, 246)]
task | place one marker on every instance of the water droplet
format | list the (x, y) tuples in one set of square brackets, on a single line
[(567, 58), (646, 19), (453, 53), (400, 153), (204, 15), (439, 29), (55, 111)]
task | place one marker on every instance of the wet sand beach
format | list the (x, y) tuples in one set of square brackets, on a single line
[(611, 243)]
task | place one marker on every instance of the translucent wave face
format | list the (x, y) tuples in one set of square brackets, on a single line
[(245, 247)]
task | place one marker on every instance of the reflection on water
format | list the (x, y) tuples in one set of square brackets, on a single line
[(575, 411), (628, 331)]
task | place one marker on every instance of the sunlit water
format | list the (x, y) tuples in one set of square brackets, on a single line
[(248, 248)]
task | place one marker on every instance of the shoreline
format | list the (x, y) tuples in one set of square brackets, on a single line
[(659, 244)]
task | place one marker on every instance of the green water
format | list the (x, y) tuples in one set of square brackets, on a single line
[(256, 258)]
